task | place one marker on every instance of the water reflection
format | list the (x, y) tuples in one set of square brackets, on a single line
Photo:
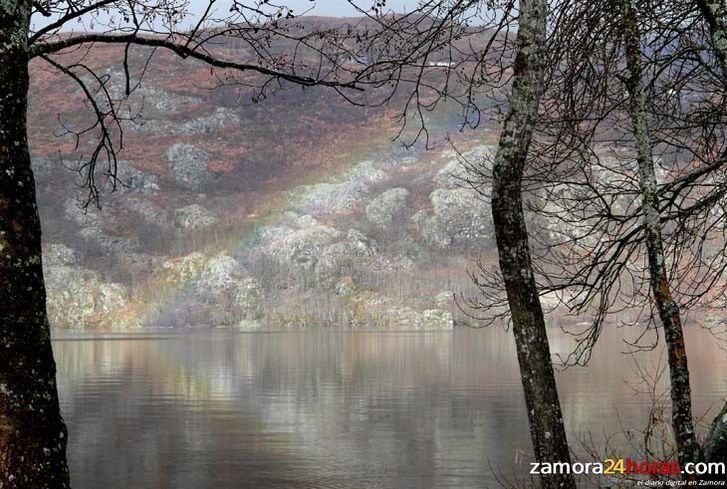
[(326, 409)]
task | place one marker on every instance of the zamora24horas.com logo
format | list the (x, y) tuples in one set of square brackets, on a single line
[(630, 467)]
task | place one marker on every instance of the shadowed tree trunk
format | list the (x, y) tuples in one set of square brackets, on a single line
[(688, 449), (715, 13), (32, 432), (533, 351), (715, 446)]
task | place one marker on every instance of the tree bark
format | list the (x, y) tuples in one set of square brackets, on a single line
[(715, 13), (715, 445), (688, 449), (32, 432), (536, 368)]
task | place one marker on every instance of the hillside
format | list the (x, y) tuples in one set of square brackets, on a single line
[(297, 210)]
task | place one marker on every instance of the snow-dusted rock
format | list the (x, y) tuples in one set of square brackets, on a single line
[(182, 270), (459, 217), (221, 118), (397, 164), (194, 217), (339, 258), (246, 299), (133, 180), (405, 317), (303, 247), (382, 210), (444, 299), (366, 172), (188, 165), (464, 170), (331, 197), (78, 298), (59, 254), (221, 272), (148, 211), (42, 167)]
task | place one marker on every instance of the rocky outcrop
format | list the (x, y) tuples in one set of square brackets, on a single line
[(386, 206), (132, 180), (334, 254), (395, 164), (193, 217), (78, 298), (220, 119), (76, 213), (188, 165), (121, 245), (374, 310), (302, 248), (458, 218), (339, 259), (212, 291), (181, 271), (58, 254), (148, 212), (366, 172), (462, 171), (331, 198), (220, 273), (43, 167)]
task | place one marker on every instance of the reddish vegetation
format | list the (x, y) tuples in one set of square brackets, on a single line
[(278, 142)]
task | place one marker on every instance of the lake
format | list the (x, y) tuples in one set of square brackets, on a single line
[(332, 409)]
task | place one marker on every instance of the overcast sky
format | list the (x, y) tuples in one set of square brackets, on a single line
[(328, 8), (338, 8)]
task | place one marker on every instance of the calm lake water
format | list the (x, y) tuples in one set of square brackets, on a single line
[(325, 409)]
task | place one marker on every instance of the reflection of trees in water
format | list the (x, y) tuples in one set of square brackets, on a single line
[(333, 409)]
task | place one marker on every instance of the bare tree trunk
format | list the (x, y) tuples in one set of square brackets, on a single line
[(715, 13), (32, 432), (681, 395), (715, 445), (533, 351)]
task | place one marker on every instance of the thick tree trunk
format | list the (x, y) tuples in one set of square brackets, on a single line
[(681, 395), (32, 432), (533, 351)]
